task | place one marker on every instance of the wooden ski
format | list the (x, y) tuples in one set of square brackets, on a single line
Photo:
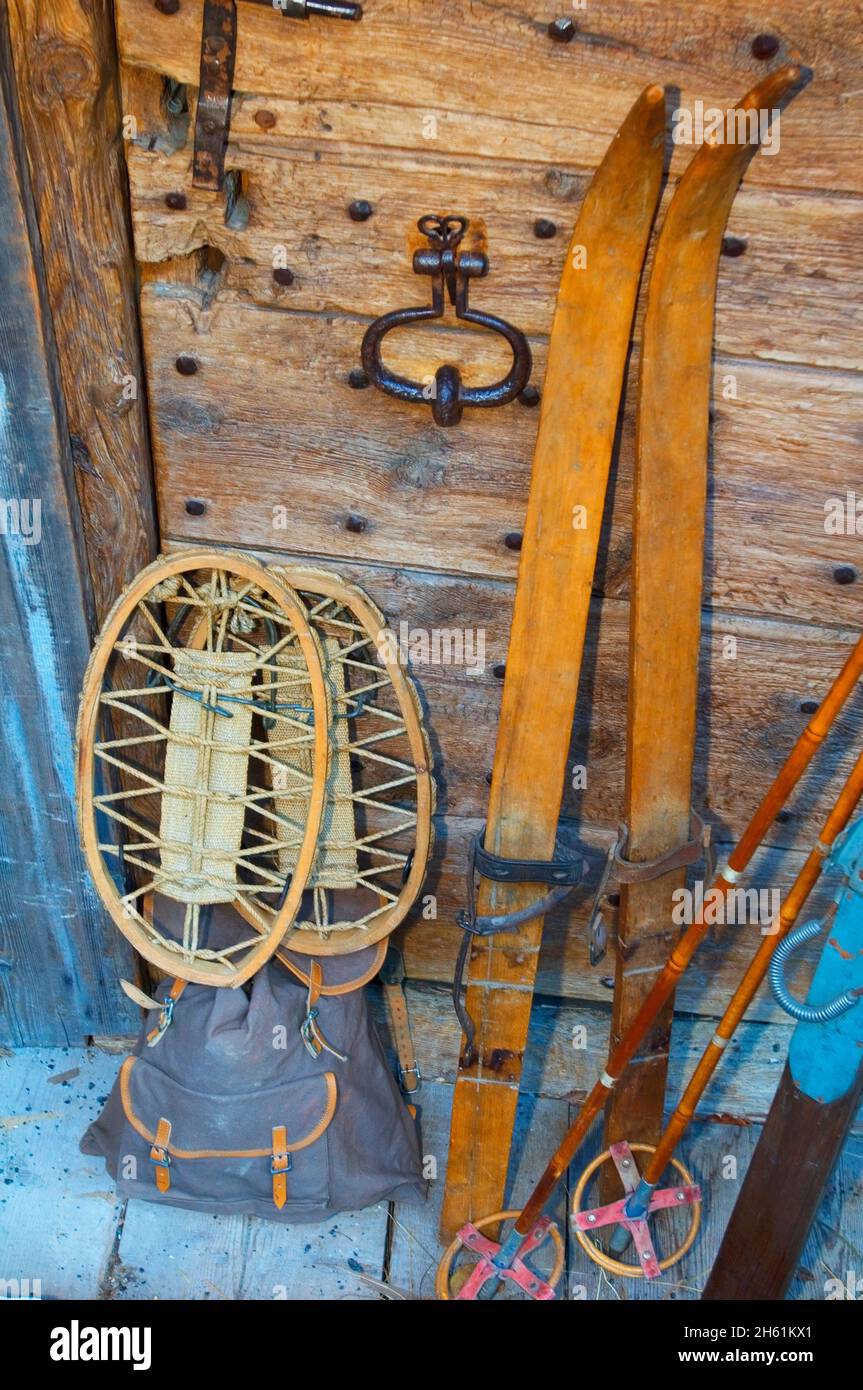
[(670, 490), (813, 1108), (584, 377)]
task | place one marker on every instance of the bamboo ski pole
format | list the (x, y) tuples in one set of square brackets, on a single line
[(774, 799), (840, 815)]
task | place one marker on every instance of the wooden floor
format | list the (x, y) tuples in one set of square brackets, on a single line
[(61, 1224)]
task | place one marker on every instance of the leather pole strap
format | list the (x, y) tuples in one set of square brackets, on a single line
[(392, 980)]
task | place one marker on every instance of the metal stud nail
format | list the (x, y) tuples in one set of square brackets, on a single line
[(195, 507), (283, 276), (591, 1218), (264, 119), (186, 366), (512, 540), (499, 671), (733, 246), (357, 379), (357, 524), (529, 396), (808, 706), (765, 46), (844, 574), (562, 30), (360, 210), (544, 228), (175, 200), (167, 6)]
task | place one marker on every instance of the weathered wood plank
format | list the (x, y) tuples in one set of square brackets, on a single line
[(568, 1045), (169, 1253), (59, 966), (755, 676), (801, 253), (270, 436), (66, 67), (415, 1249), (58, 1209), (486, 80)]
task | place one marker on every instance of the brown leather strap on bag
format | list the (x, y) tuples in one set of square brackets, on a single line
[(280, 1165), (160, 1157), (392, 979), (167, 1013)]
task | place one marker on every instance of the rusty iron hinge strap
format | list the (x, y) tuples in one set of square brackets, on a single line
[(218, 56)]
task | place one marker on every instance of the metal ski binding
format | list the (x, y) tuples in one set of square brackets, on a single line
[(643, 1201)]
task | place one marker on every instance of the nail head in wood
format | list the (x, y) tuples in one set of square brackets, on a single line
[(529, 396), (562, 30), (283, 276), (544, 228), (357, 524), (195, 507), (512, 540), (167, 6), (844, 574), (357, 379), (733, 246), (360, 210), (765, 46), (176, 201), (186, 366)]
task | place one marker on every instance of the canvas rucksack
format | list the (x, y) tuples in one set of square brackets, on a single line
[(274, 1100)]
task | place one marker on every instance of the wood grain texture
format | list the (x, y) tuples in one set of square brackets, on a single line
[(66, 70), (59, 968), (270, 436), (498, 86), (563, 526), (800, 262), (669, 520), (58, 1208)]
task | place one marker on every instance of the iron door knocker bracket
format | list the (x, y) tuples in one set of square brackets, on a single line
[(452, 271)]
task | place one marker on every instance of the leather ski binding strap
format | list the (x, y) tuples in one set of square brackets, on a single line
[(562, 874), (619, 869)]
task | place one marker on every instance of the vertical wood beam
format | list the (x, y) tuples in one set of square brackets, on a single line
[(58, 966), (65, 60)]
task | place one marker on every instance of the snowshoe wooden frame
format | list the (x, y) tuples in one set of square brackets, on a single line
[(335, 606), (257, 599)]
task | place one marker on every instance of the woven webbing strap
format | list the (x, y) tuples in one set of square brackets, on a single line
[(336, 864), (206, 766)]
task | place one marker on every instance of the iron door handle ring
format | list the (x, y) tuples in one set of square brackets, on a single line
[(451, 271)]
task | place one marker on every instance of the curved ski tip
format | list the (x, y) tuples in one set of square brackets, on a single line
[(653, 94), (774, 86)]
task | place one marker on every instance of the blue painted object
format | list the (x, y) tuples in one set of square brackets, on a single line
[(825, 1058)]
